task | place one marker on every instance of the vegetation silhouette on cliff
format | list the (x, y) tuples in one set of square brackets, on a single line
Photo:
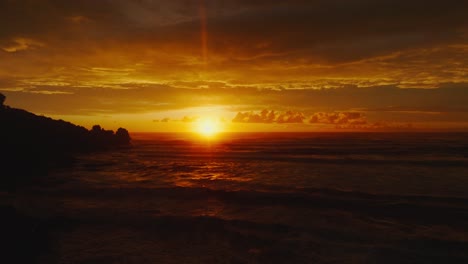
[(32, 144)]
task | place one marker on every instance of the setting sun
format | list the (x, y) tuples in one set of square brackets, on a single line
[(207, 127)]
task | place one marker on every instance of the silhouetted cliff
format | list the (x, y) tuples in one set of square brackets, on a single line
[(32, 144)]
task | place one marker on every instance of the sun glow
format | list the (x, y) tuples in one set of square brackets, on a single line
[(208, 127)]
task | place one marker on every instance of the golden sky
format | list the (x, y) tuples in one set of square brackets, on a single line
[(299, 65)]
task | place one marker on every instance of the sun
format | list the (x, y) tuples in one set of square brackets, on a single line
[(207, 127)]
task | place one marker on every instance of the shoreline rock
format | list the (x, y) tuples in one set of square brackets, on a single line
[(31, 145)]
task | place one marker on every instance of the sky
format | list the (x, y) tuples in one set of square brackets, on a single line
[(251, 65)]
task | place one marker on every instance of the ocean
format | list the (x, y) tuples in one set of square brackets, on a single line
[(262, 198), (376, 163)]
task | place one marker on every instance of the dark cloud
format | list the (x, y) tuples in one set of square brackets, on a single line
[(338, 118), (335, 120), (341, 30), (400, 40), (331, 30), (265, 116), (269, 116), (329, 118)]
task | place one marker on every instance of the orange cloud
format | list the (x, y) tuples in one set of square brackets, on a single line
[(338, 118), (269, 116), (20, 44)]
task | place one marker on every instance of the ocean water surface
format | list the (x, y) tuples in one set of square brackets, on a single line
[(377, 163), (262, 198)]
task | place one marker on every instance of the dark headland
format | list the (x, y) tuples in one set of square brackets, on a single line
[(32, 144), (30, 147)]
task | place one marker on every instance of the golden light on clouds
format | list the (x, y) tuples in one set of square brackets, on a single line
[(20, 44), (394, 62)]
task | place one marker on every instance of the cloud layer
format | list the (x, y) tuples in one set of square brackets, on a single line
[(271, 116), (403, 41), (322, 56)]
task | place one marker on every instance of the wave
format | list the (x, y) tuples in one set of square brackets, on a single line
[(104, 225), (415, 209)]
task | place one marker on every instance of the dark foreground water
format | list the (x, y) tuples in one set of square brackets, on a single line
[(260, 198)]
